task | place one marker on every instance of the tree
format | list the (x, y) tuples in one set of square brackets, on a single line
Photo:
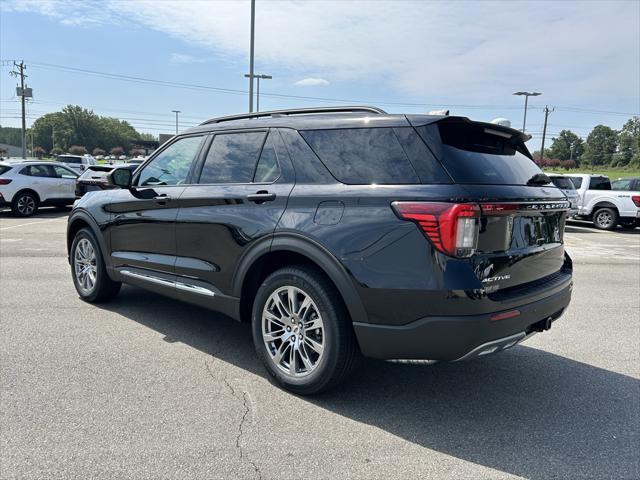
[(39, 152), (117, 151), (3, 152), (629, 141), (600, 146), (11, 136), (563, 143), (77, 150), (56, 151), (98, 151), (136, 151)]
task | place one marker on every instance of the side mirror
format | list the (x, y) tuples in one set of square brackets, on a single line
[(120, 177)]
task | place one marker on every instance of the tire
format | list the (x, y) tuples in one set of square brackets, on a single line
[(94, 285), (629, 224), (24, 204), (605, 219), (321, 319)]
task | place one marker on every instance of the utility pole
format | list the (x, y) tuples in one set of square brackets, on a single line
[(252, 40), (544, 130), (22, 93), (176, 112)]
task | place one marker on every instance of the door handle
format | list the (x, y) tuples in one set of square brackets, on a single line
[(162, 198), (261, 197)]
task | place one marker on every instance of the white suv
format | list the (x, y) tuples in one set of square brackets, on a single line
[(24, 186), (78, 162)]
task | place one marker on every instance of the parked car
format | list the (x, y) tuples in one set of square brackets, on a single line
[(605, 207), (627, 183), (96, 177), (25, 186), (338, 232), (77, 162), (122, 157), (566, 185)]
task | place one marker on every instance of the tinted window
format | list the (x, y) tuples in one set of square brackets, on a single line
[(4, 169), (362, 155), (599, 183), (232, 158), (267, 170), (171, 166), (38, 171), (66, 159), (563, 182), (476, 154), (429, 169)]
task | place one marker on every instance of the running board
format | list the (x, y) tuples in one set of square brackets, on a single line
[(187, 287)]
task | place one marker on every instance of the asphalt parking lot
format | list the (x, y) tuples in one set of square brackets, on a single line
[(147, 387)]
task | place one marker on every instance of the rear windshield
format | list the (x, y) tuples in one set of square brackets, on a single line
[(599, 183), (4, 169), (364, 156), (563, 182), (64, 159), (477, 154)]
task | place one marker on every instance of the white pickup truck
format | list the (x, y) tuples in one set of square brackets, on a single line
[(606, 208)]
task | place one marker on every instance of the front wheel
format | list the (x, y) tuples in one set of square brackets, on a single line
[(302, 331), (605, 219), (88, 270)]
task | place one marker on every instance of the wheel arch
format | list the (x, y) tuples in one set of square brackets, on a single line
[(79, 220), (290, 249), (27, 190), (604, 204)]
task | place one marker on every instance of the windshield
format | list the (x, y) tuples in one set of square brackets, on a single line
[(66, 159)]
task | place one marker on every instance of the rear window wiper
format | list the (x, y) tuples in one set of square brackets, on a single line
[(539, 179)]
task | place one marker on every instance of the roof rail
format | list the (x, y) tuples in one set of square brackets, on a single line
[(297, 111)]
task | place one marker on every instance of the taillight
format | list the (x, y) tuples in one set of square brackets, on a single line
[(451, 227), (5, 181), (636, 199)]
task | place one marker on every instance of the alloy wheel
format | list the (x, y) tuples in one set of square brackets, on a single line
[(293, 331), (26, 205), (85, 267), (604, 219)]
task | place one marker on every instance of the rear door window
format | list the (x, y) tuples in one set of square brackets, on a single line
[(476, 154), (39, 171), (375, 156), (267, 169), (599, 183), (232, 158)]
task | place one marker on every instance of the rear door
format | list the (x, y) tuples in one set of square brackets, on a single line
[(142, 225), (522, 213), (242, 189)]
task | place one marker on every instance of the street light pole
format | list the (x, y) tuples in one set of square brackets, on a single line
[(176, 112), (526, 102), (252, 40), (258, 77)]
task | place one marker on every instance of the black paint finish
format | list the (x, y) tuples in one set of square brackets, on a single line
[(388, 273)]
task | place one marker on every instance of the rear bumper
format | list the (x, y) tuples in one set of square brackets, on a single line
[(449, 338)]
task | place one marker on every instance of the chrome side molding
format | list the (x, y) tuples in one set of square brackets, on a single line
[(187, 287)]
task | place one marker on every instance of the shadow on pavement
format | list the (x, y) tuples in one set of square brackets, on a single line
[(526, 412), (587, 227)]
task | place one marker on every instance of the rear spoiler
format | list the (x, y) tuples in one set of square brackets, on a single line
[(507, 132)]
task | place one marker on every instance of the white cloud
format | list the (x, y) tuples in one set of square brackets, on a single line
[(475, 52), (185, 58), (312, 82)]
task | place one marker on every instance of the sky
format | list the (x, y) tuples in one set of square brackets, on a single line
[(138, 60)]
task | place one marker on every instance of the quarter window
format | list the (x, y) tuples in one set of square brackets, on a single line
[(172, 165), (267, 170), (232, 158)]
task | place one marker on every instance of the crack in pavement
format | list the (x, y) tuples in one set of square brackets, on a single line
[(247, 410)]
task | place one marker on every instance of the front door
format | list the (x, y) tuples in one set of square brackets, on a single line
[(142, 226), (242, 191)]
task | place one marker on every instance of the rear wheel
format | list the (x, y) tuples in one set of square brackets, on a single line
[(605, 219), (24, 204), (302, 331), (88, 270)]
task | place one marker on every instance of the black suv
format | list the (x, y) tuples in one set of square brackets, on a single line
[(338, 232)]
